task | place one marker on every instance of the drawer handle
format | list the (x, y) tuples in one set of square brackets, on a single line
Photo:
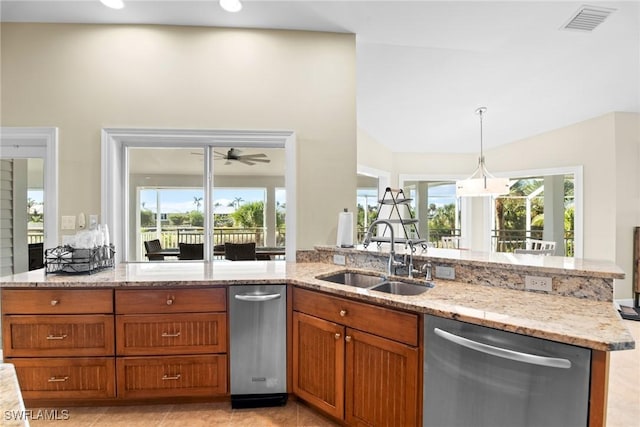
[(57, 379), (166, 377), (343, 313), (56, 337), (55, 302), (347, 338), (337, 336), (170, 301), (169, 335)]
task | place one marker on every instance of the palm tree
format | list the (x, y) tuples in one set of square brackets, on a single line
[(197, 201), (236, 201)]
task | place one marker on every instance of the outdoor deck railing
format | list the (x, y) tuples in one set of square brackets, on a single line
[(169, 238)]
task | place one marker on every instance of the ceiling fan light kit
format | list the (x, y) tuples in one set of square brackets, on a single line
[(481, 182)]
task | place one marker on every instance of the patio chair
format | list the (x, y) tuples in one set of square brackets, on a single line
[(538, 247), (450, 242), (240, 251), (151, 246), (191, 251)]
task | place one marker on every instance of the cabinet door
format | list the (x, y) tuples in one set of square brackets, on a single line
[(382, 381), (318, 363)]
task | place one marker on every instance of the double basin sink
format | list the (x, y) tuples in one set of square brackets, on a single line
[(374, 282)]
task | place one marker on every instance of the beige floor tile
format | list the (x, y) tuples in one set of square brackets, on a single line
[(623, 409), (264, 417), (67, 416), (198, 415)]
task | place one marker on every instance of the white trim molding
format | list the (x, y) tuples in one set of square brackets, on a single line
[(37, 142), (114, 180)]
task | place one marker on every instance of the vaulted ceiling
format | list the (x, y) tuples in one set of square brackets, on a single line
[(423, 67)]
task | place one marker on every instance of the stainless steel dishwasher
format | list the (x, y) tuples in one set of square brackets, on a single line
[(258, 354), (483, 377)]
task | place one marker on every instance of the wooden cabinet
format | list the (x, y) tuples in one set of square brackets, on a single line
[(171, 342), (355, 361), (61, 342)]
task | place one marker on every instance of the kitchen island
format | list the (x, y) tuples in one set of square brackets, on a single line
[(591, 324)]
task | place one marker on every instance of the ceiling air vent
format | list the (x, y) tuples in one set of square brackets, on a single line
[(587, 18)]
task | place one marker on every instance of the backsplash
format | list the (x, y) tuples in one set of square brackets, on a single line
[(597, 285)]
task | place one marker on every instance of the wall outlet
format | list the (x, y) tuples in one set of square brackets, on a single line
[(93, 222), (339, 259), (442, 272), (537, 283)]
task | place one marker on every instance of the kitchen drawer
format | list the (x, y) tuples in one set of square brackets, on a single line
[(190, 333), (142, 377), (67, 335), (57, 301), (67, 378), (385, 322), (135, 301)]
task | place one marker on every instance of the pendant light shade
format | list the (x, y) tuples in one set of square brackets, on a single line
[(481, 182)]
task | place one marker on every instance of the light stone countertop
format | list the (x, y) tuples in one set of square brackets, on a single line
[(582, 322), (13, 413)]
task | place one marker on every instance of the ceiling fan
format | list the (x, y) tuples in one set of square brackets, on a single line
[(235, 155)]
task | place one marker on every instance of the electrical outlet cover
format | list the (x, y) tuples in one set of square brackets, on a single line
[(538, 283)]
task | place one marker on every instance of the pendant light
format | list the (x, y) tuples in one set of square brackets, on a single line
[(481, 182), (113, 4), (231, 5)]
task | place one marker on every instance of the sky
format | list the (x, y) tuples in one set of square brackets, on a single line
[(182, 200)]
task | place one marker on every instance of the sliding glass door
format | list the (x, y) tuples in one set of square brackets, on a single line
[(172, 204)]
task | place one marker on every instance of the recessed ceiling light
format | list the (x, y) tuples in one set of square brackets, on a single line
[(231, 5), (113, 4)]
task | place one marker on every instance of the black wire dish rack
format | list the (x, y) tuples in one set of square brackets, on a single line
[(70, 260)]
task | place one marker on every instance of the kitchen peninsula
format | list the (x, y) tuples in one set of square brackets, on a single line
[(579, 312)]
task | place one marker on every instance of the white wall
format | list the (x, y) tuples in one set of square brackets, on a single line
[(82, 78)]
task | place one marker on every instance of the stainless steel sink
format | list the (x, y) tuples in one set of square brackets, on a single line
[(378, 283), (359, 280), (401, 288)]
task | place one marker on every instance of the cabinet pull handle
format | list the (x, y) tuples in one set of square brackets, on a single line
[(337, 336), (57, 379), (347, 338), (55, 302), (56, 337), (170, 335), (169, 301), (343, 313), (166, 377)]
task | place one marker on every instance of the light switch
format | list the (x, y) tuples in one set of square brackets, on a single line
[(68, 222)]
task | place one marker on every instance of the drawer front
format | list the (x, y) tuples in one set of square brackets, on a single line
[(135, 301), (66, 378), (48, 336), (171, 333), (142, 377), (57, 301), (381, 321)]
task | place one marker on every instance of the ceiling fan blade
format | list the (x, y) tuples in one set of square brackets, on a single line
[(246, 162), (257, 160), (255, 155), (196, 153), (220, 154), (228, 162)]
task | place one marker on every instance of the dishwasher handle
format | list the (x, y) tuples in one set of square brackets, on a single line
[(256, 298), (532, 359)]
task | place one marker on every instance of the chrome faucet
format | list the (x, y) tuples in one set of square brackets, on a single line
[(392, 253)]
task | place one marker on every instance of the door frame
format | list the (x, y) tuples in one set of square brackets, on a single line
[(37, 142)]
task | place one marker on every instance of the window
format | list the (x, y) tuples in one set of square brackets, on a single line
[(541, 208), (168, 197)]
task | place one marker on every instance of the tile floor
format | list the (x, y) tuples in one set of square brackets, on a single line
[(623, 406)]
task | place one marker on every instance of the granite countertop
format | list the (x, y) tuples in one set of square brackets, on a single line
[(13, 411), (592, 324)]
